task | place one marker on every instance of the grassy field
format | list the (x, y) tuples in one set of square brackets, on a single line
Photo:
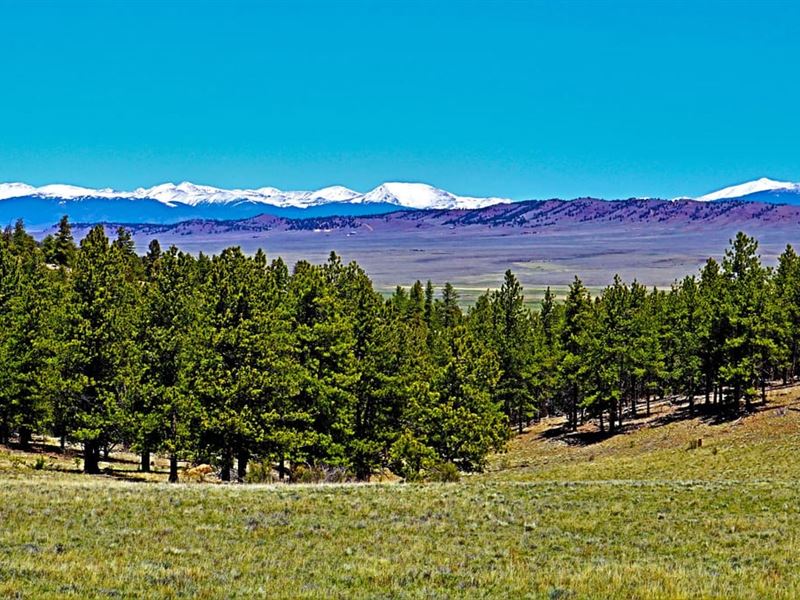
[(645, 514)]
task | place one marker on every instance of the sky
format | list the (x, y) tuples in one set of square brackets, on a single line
[(515, 99)]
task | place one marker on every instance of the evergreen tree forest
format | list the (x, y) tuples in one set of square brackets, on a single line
[(239, 360)]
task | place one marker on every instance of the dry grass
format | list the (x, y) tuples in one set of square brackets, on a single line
[(761, 446)]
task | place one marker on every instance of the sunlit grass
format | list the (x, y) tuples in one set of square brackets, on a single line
[(640, 515)]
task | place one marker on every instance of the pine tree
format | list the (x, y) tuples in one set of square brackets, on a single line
[(465, 422), (9, 278), (151, 258), (222, 360), (547, 353), (787, 310), (27, 350), (166, 416), (513, 343), (577, 343), (64, 247), (748, 345), (448, 311), (380, 386), (97, 344)]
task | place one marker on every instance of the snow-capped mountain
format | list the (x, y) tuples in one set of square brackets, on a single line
[(758, 190), (406, 195), (170, 203), (191, 194), (422, 196)]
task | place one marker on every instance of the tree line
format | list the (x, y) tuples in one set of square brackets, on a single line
[(231, 359)]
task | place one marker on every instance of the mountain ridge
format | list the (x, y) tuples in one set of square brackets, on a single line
[(547, 241), (405, 194), (170, 203), (526, 214)]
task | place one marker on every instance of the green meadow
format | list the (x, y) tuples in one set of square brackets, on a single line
[(644, 514)]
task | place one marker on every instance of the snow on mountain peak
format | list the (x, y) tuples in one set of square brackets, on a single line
[(410, 195), (192, 194), (764, 184), (54, 190), (404, 195), (422, 195), (15, 190), (336, 193)]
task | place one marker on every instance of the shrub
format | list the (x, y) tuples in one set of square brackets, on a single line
[(409, 457), (444, 472), (260, 472), (308, 474)]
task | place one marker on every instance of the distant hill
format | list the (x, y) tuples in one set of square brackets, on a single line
[(527, 215), (545, 242)]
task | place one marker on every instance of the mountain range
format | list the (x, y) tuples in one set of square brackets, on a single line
[(170, 203)]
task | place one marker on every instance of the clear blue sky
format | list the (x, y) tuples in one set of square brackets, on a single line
[(521, 99)]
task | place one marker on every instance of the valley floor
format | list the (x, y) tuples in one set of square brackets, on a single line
[(644, 514)]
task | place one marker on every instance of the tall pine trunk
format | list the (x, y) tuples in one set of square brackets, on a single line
[(173, 468), (24, 438), (573, 409), (241, 465), (227, 465), (91, 458), (145, 462)]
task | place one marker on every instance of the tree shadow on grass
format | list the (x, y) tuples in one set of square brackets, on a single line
[(709, 414), (108, 472), (121, 475), (587, 438), (54, 451), (712, 414), (581, 437)]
